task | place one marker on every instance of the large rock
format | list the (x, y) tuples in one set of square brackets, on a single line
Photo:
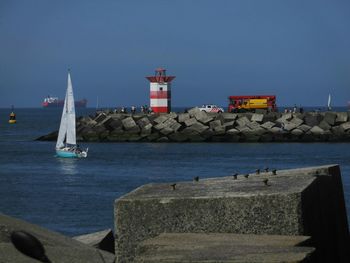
[(143, 122), (268, 125), (223, 247), (128, 123), (257, 117), (183, 117), (307, 201), (190, 122), (330, 117), (242, 121), (312, 119), (324, 125), (58, 248), (341, 117)]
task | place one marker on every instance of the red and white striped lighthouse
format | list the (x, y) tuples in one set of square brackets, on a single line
[(160, 91)]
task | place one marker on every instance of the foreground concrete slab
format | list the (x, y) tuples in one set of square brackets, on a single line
[(306, 201), (58, 248), (219, 247), (103, 240)]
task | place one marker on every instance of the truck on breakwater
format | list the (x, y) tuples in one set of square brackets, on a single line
[(252, 103)]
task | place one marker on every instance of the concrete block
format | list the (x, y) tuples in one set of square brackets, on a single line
[(304, 127), (153, 137), (163, 139), (297, 132), (229, 125), (296, 121), (330, 117), (183, 117), (112, 124), (316, 130), (268, 125), (313, 119), (242, 128), (228, 117), (103, 240), (341, 117), (161, 118), (100, 117), (190, 122), (143, 122), (242, 121), (172, 115), (324, 125), (224, 247), (338, 130), (160, 126), (257, 117), (233, 132), (253, 125), (308, 201), (193, 111), (345, 126), (198, 127), (219, 130), (58, 248), (275, 130), (214, 124), (147, 129), (166, 131), (288, 126), (128, 123)]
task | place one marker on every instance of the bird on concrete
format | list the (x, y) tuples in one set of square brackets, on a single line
[(257, 171), (235, 176), (274, 171), (196, 178), (246, 175), (173, 186), (266, 182)]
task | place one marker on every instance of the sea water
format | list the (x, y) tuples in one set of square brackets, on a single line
[(76, 196)]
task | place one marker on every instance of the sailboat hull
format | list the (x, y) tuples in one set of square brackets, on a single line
[(71, 154)]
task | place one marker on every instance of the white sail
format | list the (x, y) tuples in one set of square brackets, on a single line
[(67, 126), (71, 139), (329, 102)]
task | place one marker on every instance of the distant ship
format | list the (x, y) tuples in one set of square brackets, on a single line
[(54, 102)]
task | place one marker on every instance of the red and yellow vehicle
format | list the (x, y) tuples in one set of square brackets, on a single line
[(252, 103)]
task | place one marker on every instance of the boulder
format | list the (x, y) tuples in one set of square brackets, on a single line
[(257, 117), (242, 121), (190, 122), (100, 117), (166, 131), (296, 121), (268, 125), (297, 132), (345, 126), (161, 118), (128, 123), (233, 132), (288, 126), (112, 124), (317, 130), (228, 117), (324, 125), (219, 130), (143, 122), (214, 124), (304, 127), (330, 117), (229, 125), (193, 111), (253, 125), (146, 130), (341, 117), (182, 117), (202, 117), (312, 119)]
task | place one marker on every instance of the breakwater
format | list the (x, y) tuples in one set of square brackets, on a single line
[(199, 126)]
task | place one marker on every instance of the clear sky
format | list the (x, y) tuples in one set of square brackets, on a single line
[(298, 50)]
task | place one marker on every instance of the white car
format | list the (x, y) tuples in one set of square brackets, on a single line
[(211, 108)]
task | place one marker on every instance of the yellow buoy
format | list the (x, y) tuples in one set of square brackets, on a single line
[(12, 119)]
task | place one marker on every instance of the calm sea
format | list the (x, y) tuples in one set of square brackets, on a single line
[(76, 196)]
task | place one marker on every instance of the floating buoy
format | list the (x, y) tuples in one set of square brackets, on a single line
[(12, 119)]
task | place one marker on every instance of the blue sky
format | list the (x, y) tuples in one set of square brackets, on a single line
[(298, 50)]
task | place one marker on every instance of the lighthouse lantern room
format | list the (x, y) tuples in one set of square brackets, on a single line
[(160, 91)]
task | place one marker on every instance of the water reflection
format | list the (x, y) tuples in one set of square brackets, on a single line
[(68, 166)]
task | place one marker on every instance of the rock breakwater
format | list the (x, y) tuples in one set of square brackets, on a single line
[(198, 126)]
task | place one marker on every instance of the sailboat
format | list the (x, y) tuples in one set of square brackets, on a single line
[(66, 145), (329, 102)]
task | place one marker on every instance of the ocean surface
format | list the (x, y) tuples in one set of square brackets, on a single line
[(76, 196)]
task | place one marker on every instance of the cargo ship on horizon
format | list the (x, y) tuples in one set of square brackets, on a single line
[(54, 102)]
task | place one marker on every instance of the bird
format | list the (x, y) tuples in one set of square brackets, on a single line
[(274, 171), (196, 178), (246, 175), (257, 171), (173, 186), (265, 181), (235, 176)]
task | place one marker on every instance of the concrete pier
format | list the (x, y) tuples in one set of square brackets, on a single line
[(298, 202), (199, 126)]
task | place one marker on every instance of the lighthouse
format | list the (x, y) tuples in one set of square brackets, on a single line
[(160, 91)]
